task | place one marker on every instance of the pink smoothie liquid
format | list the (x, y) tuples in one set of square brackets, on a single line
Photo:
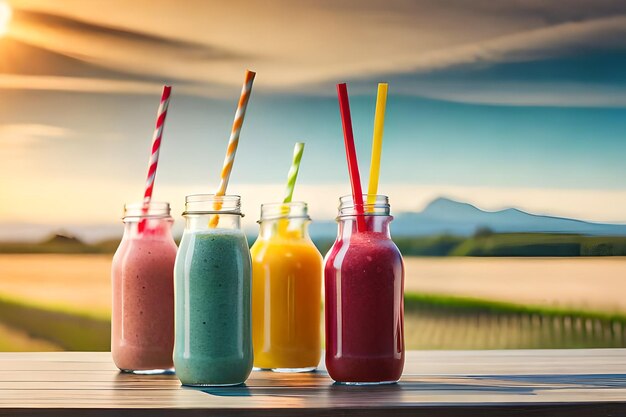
[(364, 283), (142, 321)]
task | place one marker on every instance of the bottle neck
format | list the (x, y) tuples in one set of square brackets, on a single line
[(284, 228), (284, 220), (372, 217), (148, 228), (372, 205), (376, 225), (200, 222), (147, 220), (210, 212)]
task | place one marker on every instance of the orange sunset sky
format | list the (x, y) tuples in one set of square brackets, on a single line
[(500, 104)]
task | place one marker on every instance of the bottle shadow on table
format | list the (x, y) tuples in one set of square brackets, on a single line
[(318, 385)]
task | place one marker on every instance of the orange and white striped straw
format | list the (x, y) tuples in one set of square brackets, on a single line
[(233, 142)]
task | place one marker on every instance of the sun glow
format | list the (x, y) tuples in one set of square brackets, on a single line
[(5, 17)]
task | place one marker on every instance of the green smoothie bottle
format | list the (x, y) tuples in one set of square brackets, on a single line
[(212, 275)]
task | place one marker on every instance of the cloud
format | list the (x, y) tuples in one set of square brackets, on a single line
[(298, 48), (120, 51), (73, 27), (103, 85), (76, 84), (555, 41), (18, 136), (546, 11), (512, 93), (294, 44)]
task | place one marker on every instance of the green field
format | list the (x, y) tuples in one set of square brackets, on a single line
[(62, 329), (483, 243), (431, 322), (62, 302), (506, 245), (445, 322), (514, 245)]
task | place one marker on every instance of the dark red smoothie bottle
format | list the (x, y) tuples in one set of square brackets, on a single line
[(364, 288)]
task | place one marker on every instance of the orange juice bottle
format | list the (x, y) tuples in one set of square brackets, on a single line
[(286, 291)]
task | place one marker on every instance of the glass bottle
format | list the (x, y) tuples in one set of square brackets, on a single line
[(212, 292), (364, 282), (286, 291), (142, 314)]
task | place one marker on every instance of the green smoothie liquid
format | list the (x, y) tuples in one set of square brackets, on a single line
[(212, 314)]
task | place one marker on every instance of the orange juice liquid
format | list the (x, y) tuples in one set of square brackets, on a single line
[(286, 301)]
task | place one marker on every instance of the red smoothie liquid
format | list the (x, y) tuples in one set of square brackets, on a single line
[(364, 284), (142, 321)]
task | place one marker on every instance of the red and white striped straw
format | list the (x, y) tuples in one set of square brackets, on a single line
[(156, 144), (233, 141)]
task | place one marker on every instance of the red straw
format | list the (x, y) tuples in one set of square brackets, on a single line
[(156, 147), (353, 166)]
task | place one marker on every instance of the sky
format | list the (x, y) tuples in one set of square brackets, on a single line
[(512, 103)]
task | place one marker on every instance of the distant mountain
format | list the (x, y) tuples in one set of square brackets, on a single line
[(445, 216), (63, 238), (37, 233)]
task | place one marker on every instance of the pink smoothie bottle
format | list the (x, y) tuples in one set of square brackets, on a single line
[(364, 288), (142, 316)]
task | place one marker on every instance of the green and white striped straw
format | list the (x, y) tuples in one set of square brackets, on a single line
[(293, 171)]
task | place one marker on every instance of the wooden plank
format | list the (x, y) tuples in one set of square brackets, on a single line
[(437, 383)]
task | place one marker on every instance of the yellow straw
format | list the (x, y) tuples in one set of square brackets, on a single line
[(377, 143)]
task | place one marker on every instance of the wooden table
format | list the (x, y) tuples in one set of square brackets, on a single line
[(435, 383)]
